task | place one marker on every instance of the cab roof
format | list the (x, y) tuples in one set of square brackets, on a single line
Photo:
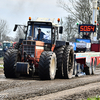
[(45, 22)]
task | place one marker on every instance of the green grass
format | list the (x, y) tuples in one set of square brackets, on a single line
[(1, 65), (94, 98)]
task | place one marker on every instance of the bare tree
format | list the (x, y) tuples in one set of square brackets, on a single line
[(78, 11), (4, 31), (19, 35), (6, 38), (70, 28)]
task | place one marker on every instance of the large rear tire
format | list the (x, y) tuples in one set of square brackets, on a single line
[(68, 62), (47, 65), (10, 59), (59, 54)]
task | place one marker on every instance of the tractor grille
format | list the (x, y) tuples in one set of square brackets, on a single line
[(29, 47), (28, 43)]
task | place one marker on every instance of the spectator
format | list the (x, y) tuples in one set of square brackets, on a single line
[(86, 36)]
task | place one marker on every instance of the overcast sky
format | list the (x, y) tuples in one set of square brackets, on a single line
[(18, 11)]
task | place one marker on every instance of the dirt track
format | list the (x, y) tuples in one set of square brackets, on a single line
[(58, 89)]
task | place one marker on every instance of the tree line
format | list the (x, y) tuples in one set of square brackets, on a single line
[(78, 11), (5, 31)]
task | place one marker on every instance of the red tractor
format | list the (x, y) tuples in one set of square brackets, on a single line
[(45, 55)]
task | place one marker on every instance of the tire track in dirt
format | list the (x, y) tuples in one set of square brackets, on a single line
[(77, 93)]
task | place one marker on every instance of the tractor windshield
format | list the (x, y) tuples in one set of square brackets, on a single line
[(39, 32)]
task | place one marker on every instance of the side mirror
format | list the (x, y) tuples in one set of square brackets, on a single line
[(60, 29), (15, 27)]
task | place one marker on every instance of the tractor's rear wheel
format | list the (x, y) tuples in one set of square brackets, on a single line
[(47, 65), (68, 62), (10, 59), (59, 54)]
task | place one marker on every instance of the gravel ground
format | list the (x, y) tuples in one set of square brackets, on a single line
[(58, 89), (77, 88), (1, 60), (1, 70), (77, 93)]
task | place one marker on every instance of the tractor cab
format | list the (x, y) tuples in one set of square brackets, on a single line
[(48, 30), (41, 35)]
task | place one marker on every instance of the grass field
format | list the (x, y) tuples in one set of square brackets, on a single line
[(1, 65), (94, 98)]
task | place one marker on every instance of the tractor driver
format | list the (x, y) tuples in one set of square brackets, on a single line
[(40, 35)]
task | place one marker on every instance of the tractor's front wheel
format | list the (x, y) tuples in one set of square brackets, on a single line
[(10, 59), (47, 65)]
